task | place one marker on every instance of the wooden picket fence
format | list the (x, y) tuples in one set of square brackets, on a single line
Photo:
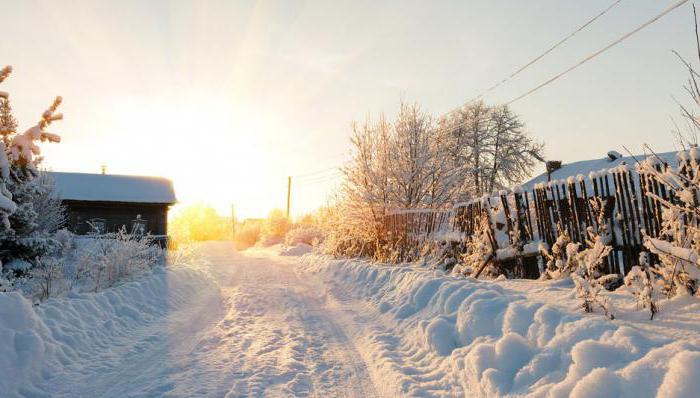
[(540, 214)]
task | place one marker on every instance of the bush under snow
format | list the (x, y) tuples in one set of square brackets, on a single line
[(306, 234)]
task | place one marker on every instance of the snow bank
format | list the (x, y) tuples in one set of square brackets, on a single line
[(38, 341), (296, 250), (280, 250), (450, 336)]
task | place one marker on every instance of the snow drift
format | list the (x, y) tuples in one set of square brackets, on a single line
[(38, 341), (452, 336)]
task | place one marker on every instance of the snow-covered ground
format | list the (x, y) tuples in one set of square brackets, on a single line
[(270, 323), (236, 325), (424, 333)]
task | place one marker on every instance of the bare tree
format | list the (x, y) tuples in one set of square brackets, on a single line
[(512, 152), (411, 157), (367, 188), (490, 146), (415, 164)]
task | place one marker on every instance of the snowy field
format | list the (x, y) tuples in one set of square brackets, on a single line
[(271, 323)]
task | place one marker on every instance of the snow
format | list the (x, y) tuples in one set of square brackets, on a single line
[(234, 325), (659, 246), (42, 343), (594, 166), (440, 335), (259, 323), (297, 250), (113, 188)]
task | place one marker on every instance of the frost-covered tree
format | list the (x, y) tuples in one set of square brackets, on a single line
[(7, 127), (511, 151), (414, 163), (411, 163), (368, 188), (50, 212), (8, 123), (28, 206), (467, 132), (490, 147)]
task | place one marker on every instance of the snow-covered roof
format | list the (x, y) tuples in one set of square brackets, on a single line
[(584, 167), (113, 188)]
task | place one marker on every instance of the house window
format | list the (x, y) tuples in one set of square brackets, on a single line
[(139, 226)]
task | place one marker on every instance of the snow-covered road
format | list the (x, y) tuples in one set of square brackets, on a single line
[(261, 324), (266, 332)]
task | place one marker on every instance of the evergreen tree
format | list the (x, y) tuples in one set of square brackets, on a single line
[(25, 198)]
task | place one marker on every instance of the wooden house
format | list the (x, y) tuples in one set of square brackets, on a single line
[(99, 203)]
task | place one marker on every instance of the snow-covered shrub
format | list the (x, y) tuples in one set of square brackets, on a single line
[(304, 233), (48, 278), (584, 266), (678, 245), (640, 280), (442, 255), (182, 254), (65, 238), (561, 260), (478, 249), (589, 278), (247, 234), (274, 228), (103, 261), (5, 285)]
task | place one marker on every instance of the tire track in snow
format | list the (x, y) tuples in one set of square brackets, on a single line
[(265, 331)]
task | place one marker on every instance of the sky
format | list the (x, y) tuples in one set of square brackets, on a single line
[(229, 98)]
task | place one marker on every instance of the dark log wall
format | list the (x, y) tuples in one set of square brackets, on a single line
[(116, 215)]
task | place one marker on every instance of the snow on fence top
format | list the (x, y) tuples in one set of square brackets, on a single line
[(524, 217), (586, 167), (114, 188)]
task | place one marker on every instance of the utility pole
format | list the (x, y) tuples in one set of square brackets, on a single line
[(289, 193)]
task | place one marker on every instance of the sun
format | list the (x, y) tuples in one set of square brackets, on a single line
[(214, 150)]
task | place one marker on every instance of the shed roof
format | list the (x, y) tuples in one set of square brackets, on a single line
[(584, 167), (113, 188)]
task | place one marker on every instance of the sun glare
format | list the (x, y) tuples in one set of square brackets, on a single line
[(210, 148)]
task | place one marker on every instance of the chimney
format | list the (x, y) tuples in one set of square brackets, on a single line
[(614, 155), (552, 166)]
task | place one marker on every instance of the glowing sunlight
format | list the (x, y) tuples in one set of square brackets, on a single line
[(342, 198)]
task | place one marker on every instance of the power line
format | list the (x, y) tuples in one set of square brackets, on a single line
[(527, 65), (595, 54), (320, 172), (325, 178), (315, 177), (539, 57), (549, 50), (314, 173)]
